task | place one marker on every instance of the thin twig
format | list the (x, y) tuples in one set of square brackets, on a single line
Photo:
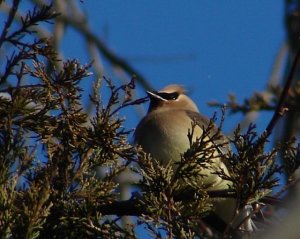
[(281, 109), (113, 58), (9, 21)]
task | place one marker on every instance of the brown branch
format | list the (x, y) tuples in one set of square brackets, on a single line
[(129, 207), (281, 109), (113, 58), (9, 21), (132, 207)]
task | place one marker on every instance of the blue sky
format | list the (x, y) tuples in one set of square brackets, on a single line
[(212, 47)]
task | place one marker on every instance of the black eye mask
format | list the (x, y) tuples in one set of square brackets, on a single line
[(168, 96)]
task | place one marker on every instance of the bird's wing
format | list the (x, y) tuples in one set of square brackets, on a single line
[(221, 142)]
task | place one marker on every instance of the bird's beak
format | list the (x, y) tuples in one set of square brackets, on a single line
[(154, 95)]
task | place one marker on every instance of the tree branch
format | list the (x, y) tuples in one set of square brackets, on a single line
[(9, 21), (281, 109), (113, 58)]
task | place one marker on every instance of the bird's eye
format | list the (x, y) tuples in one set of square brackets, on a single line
[(169, 96)]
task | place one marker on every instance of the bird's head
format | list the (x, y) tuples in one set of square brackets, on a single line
[(170, 97)]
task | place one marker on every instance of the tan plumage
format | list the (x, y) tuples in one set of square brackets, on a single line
[(163, 134)]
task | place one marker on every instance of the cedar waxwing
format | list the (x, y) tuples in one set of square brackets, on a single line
[(163, 134)]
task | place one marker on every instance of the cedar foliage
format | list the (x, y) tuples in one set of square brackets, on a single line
[(50, 149)]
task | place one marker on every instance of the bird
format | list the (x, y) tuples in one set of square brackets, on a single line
[(163, 131)]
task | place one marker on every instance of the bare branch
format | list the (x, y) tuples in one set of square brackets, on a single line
[(281, 109), (9, 21)]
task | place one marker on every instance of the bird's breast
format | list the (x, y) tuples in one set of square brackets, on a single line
[(164, 137)]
